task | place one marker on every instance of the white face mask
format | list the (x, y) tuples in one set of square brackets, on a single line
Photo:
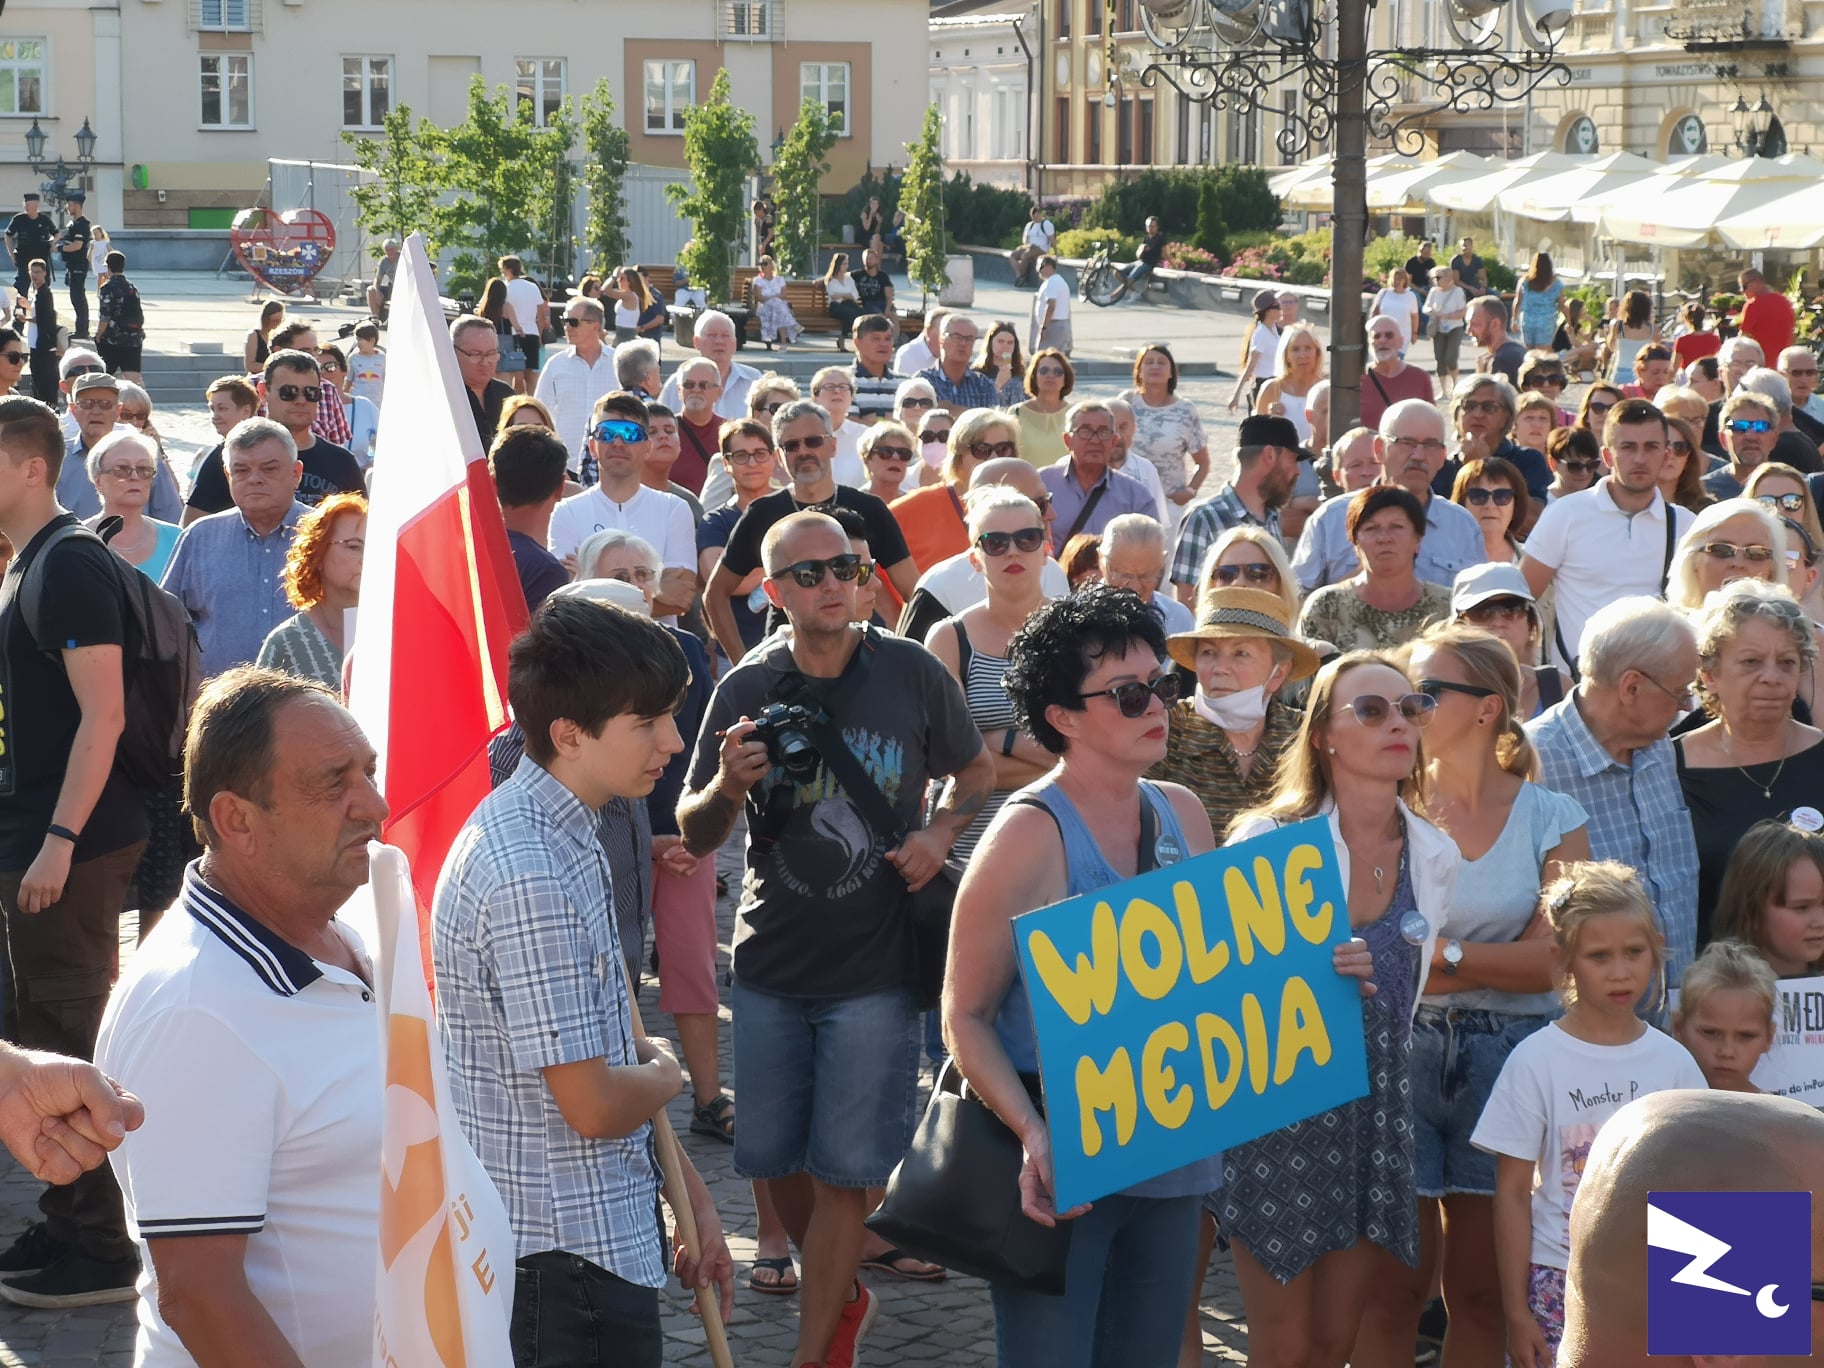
[(935, 452), (1237, 712)]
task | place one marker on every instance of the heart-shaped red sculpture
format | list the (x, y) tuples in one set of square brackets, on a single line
[(284, 251)]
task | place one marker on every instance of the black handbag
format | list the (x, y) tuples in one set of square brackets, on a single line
[(955, 1198)]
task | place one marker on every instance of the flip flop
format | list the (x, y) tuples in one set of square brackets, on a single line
[(782, 1270), (890, 1261), (715, 1118)]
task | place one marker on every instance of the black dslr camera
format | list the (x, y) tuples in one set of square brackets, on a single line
[(782, 728)]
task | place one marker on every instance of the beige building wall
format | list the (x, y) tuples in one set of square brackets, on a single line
[(294, 51), (77, 78)]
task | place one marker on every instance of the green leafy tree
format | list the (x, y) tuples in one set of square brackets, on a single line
[(798, 171), (408, 174), (720, 152), (1209, 234), (605, 152), (922, 197), (501, 168), (555, 244)]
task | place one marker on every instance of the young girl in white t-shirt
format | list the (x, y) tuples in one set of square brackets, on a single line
[(1562, 1083)]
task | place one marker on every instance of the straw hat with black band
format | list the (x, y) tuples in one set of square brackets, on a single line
[(1244, 613)]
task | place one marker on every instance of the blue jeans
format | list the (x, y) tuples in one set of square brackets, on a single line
[(1456, 1057), (1128, 1286), (828, 1086), (568, 1313)]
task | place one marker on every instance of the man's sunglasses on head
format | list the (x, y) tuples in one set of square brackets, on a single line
[(622, 430), (808, 574)]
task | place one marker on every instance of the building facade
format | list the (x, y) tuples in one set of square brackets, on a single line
[(982, 62), (228, 84), (60, 65)]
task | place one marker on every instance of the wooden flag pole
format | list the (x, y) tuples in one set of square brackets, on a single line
[(677, 1196)]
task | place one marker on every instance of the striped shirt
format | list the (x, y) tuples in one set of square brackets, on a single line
[(992, 710), (529, 976), (1637, 816), (298, 647)]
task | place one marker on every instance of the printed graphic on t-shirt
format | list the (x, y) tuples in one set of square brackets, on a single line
[(839, 853), (1574, 1143)]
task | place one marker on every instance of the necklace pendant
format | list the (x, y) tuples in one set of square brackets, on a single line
[(1379, 874)]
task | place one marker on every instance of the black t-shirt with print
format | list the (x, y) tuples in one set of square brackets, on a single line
[(328, 469), (82, 605), (886, 543), (822, 911)]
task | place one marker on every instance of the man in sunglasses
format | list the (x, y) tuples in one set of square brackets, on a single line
[(1749, 425), (576, 376), (1672, 1142), (1799, 366), (1613, 539), (1086, 494), (294, 390), (714, 337), (1790, 446), (801, 434), (825, 1013), (619, 435), (1266, 472)]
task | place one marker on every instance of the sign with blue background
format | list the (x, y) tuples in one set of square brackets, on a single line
[(1729, 1273), (1192, 1008)]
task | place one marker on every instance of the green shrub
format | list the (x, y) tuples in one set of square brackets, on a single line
[(1253, 237), (1305, 271), (1242, 200), (1385, 254), (1210, 236), (984, 215), (1081, 242), (1501, 277)]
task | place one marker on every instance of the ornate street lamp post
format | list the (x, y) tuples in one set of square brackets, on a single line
[(1234, 53), (59, 176)]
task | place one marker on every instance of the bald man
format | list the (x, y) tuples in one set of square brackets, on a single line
[(1669, 1142)]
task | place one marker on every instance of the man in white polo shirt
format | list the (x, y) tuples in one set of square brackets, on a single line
[(1613, 539), (618, 438), (574, 378), (247, 1025)]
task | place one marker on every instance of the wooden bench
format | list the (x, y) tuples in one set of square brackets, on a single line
[(808, 299)]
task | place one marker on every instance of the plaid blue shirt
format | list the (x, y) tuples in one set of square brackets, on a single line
[(529, 975), (1637, 816), (1204, 524), (974, 390)]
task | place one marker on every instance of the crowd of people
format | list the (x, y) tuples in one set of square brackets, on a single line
[(934, 641)]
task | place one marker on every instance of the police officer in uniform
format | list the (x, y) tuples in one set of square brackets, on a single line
[(28, 239), (73, 252)]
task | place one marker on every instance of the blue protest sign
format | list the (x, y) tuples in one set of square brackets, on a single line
[(1192, 1008)]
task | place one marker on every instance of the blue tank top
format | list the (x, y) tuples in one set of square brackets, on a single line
[(1086, 871)]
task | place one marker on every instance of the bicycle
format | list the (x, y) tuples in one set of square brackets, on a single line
[(1099, 281)]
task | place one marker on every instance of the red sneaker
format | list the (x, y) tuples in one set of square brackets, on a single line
[(857, 1319)]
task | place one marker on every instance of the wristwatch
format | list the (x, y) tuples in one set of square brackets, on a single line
[(1453, 955)]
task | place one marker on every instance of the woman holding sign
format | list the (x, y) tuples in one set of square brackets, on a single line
[(1313, 1209), (1487, 986), (1089, 679)]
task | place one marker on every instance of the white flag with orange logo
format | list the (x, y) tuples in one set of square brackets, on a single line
[(445, 1293)]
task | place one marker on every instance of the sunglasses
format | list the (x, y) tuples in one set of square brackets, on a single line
[(1135, 698), (1501, 497), (1484, 406), (996, 543), (773, 407), (290, 394), (983, 450), (931, 436), (1786, 503), (577, 322), (808, 574), (764, 455), (82, 370), (1093, 434), (1750, 425), (883, 452), (1679, 447), (791, 446), (1050, 372), (694, 385), (1436, 688), (14, 358), (642, 574), (1371, 710), (132, 472), (913, 401), (622, 430), (1597, 410), (1498, 610), (1580, 467), (1556, 381), (1258, 572), (1753, 554)]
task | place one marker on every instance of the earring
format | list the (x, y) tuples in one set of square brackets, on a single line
[(1333, 750)]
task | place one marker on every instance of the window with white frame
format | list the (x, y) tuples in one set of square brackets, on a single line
[(367, 91), (671, 91), (22, 69), (540, 86), (227, 90), (828, 84), (222, 14)]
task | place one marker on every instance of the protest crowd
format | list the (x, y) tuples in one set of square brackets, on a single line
[(934, 642)]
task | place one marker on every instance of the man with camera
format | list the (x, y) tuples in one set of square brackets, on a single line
[(828, 735)]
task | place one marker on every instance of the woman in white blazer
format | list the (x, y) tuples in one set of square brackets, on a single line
[(1309, 1208)]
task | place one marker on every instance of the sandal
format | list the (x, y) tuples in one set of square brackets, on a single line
[(894, 1261), (716, 1118), (784, 1281)]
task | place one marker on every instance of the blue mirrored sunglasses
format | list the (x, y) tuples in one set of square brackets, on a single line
[(623, 430)]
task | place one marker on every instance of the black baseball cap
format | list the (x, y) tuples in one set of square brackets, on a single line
[(1266, 429)]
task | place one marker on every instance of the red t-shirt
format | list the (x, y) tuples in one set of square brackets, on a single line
[(1695, 346), (1768, 319), (696, 446), (1379, 393)]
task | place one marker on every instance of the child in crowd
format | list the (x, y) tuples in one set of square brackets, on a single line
[(1563, 1082), (1725, 1013), (367, 364), (1772, 897)]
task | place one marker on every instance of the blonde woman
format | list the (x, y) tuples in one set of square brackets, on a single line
[(1301, 370), (1248, 557)]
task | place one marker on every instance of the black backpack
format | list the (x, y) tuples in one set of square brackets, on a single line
[(163, 666)]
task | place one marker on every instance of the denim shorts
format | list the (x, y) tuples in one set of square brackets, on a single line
[(1456, 1057), (826, 1086)]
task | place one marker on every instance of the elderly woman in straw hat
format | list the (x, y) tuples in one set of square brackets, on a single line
[(1225, 740)]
